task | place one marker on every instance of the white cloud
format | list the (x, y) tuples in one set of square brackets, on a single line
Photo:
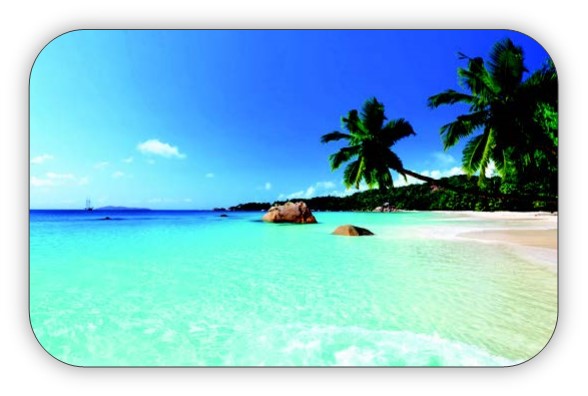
[(118, 174), (317, 189), (41, 158), (209, 175), (127, 160), (101, 165), (167, 200), (53, 179), (297, 194), (268, 186), (61, 176), (154, 146), (325, 185), (347, 191), (435, 174), (444, 159), (38, 182)]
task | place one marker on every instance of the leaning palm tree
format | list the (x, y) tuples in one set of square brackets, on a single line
[(368, 153), (505, 109)]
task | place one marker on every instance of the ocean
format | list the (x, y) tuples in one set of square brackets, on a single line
[(192, 288)]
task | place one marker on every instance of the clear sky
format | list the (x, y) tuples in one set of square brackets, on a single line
[(200, 119)]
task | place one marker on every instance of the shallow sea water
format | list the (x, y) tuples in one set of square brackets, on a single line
[(195, 289)]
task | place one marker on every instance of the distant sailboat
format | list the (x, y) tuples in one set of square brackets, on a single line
[(89, 207)]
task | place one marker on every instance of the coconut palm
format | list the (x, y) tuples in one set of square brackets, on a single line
[(506, 109), (368, 153)]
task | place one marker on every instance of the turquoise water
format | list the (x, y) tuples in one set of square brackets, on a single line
[(195, 289)]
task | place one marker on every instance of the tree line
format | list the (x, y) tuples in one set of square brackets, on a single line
[(511, 124), (420, 197)]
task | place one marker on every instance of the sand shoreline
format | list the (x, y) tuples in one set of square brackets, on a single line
[(531, 235), (533, 238), (534, 235), (503, 215)]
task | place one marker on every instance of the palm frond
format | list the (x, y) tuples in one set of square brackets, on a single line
[(393, 162), (449, 97), (372, 115), (507, 66), (343, 155), (542, 85), (473, 153), (370, 176), (395, 130), (351, 173), (384, 179), (502, 163), (477, 79), (334, 136), (361, 170), (486, 157), (462, 127), (352, 122)]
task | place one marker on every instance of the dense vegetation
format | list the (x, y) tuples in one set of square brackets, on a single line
[(422, 197), (511, 123), (513, 120)]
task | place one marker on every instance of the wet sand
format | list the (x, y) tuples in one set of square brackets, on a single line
[(534, 238), (533, 235)]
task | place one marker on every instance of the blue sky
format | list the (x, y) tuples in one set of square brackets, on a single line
[(199, 119)]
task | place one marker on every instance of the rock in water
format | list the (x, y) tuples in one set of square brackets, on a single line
[(290, 212), (351, 230)]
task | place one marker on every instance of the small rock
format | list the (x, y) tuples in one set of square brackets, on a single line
[(351, 230)]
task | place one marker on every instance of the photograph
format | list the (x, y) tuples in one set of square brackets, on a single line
[(293, 198)]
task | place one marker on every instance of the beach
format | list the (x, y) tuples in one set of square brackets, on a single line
[(532, 234), (546, 239)]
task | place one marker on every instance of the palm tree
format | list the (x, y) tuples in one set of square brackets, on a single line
[(508, 111), (370, 138)]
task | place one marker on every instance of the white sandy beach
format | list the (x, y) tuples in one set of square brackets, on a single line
[(532, 234)]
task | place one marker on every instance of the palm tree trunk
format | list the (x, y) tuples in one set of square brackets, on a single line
[(443, 184), (422, 178)]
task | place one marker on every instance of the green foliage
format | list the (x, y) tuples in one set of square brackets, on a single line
[(251, 207), (515, 119), (424, 197), (370, 138)]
